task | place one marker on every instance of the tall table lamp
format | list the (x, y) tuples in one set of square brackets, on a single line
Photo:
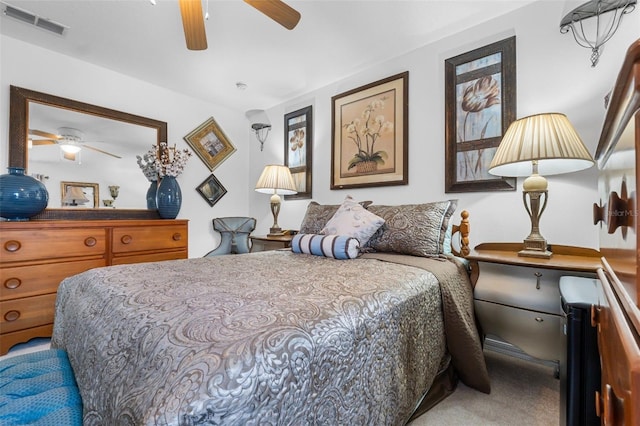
[(276, 180), (541, 144)]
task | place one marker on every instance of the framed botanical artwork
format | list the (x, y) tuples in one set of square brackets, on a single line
[(480, 103), (298, 140), (370, 138), (79, 194), (211, 190), (210, 143)]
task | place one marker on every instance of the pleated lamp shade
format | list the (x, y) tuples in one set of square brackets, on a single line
[(278, 178), (548, 138)]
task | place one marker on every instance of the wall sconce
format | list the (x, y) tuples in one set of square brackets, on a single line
[(608, 15), (260, 124)]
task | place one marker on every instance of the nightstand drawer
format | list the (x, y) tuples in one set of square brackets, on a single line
[(537, 334), (529, 288)]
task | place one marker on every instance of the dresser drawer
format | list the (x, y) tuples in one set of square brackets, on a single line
[(25, 313), (24, 281), (518, 286), (537, 334), (37, 244), (134, 239)]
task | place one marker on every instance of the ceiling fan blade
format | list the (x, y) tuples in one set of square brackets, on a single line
[(277, 10), (43, 134), (101, 151), (35, 142), (193, 23)]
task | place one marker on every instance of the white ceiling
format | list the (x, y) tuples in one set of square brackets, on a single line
[(334, 39)]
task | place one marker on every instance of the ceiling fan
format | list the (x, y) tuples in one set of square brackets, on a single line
[(71, 141), (193, 21)]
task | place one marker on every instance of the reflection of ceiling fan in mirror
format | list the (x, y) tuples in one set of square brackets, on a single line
[(193, 21), (70, 140)]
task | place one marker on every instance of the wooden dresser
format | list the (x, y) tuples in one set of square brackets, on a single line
[(617, 316), (35, 256)]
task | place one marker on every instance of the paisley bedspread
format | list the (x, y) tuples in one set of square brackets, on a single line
[(272, 338)]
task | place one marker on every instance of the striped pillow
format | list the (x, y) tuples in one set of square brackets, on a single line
[(335, 246)]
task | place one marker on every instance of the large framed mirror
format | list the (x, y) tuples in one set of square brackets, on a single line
[(45, 128)]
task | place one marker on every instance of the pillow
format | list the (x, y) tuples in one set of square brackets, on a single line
[(317, 216), (416, 229), (353, 220), (448, 236), (335, 246)]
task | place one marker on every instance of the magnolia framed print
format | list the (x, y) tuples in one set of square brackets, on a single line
[(211, 190), (210, 143), (370, 138), (480, 103), (298, 140), (79, 194)]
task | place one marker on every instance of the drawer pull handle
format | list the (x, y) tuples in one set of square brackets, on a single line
[(126, 239), (538, 276), (12, 246), (538, 319), (177, 236), (90, 242), (12, 283), (12, 316)]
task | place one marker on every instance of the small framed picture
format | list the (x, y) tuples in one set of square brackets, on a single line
[(210, 143), (211, 190), (298, 140), (79, 194)]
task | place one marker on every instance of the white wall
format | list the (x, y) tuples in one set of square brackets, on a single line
[(553, 75), (31, 67)]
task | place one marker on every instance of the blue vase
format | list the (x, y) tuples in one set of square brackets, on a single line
[(21, 196), (151, 195), (168, 198)]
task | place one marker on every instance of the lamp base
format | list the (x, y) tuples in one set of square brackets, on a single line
[(535, 247), (275, 232)]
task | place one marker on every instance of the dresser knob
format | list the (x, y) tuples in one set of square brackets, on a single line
[(12, 316), (90, 242), (126, 239), (538, 319), (12, 283), (12, 246), (538, 275), (177, 236)]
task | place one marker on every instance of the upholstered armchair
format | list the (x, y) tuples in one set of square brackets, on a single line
[(234, 233)]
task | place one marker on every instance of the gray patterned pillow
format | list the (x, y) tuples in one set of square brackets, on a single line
[(353, 220), (317, 216), (416, 229)]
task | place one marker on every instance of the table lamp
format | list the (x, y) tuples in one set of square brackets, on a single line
[(276, 179), (74, 196), (541, 144)]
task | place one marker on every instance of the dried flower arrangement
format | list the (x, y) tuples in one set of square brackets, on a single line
[(163, 161)]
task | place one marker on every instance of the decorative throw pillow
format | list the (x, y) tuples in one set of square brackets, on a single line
[(317, 216), (416, 229), (335, 246), (353, 220)]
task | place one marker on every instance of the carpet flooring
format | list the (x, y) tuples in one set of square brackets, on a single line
[(522, 393)]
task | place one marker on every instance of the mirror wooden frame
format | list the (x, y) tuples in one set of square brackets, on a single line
[(19, 99)]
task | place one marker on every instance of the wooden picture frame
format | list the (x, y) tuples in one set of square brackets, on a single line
[(210, 143), (91, 192), (480, 104), (370, 137), (298, 149), (211, 190)]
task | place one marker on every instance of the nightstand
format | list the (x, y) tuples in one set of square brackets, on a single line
[(517, 299), (265, 242)]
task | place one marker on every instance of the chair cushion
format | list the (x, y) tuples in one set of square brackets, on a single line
[(39, 388)]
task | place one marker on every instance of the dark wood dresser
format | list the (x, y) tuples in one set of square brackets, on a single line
[(35, 256), (617, 315)]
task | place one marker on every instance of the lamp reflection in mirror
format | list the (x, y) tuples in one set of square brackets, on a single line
[(542, 144), (74, 196), (276, 180)]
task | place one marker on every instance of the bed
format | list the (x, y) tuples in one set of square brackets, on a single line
[(276, 337)]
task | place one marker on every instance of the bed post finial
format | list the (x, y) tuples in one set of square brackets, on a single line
[(464, 230)]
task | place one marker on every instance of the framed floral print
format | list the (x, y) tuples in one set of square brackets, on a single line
[(370, 138), (298, 140), (480, 103), (210, 143), (211, 190)]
